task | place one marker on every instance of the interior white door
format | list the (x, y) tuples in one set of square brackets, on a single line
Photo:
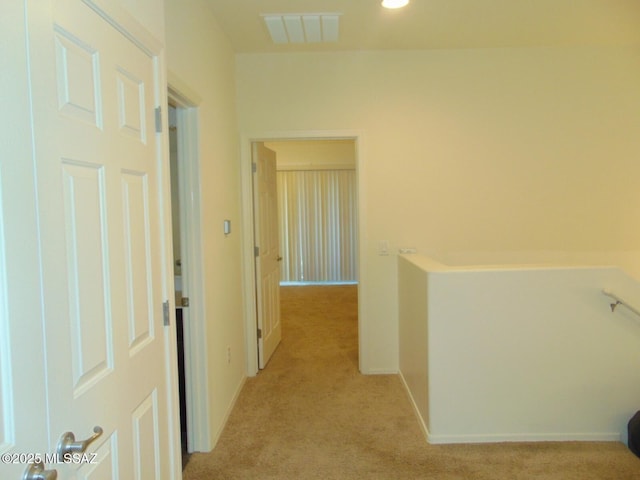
[(94, 89), (268, 252), (22, 378)]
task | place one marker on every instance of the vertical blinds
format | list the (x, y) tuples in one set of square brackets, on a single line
[(318, 221)]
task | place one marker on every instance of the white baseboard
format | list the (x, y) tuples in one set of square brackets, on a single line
[(317, 284), (379, 371), (421, 422), (525, 437), (232, 404), (508, 437)]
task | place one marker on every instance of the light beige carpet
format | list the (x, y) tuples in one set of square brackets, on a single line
[(311, 415)]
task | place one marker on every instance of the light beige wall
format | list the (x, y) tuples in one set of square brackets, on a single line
[(524, 344), (488, 151), (199, 55), (314, 154)]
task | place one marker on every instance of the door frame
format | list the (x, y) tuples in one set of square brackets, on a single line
[(186, 102), (248, 259)]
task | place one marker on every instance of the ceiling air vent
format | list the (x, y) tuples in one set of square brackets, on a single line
[(302, 27)]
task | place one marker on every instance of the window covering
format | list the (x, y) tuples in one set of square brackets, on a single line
[(318, 221)]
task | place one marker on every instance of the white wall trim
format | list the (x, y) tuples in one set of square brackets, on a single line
[(515, 437), (195, 335), (232, 404), (416, 410), (507, 437), (248, 235), (316, 167), (126, 24), (382, 371), (180, 92)]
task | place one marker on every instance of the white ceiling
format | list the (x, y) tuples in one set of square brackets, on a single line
[(439, 24)]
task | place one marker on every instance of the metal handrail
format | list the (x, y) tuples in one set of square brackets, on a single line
[(619, 301)]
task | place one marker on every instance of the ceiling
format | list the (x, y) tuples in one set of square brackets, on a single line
[(439, 24)]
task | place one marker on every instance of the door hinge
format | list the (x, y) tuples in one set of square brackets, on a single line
[(165, 313), (259, 333), (184, 301), (254, 167), (256, 251), (158, 119)]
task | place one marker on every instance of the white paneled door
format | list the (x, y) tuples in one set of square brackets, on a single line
[(268, 252), (94, 89)]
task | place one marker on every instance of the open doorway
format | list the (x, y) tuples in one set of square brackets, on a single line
[(181, 302), (317, 211), (325, 250), (188, 275)]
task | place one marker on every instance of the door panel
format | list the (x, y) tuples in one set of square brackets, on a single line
[(267, 261), (145, 426), (97, 161), (22, 379), (87, 253), (137, 244), (77, 76), (131, 105)]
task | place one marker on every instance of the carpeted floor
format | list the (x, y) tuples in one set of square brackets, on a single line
[(311, 415)]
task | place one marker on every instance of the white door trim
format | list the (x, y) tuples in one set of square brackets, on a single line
[(195, 335), (248, 263), (126, 24)]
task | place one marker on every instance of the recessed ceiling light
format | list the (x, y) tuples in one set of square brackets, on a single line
[(394, 3)]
